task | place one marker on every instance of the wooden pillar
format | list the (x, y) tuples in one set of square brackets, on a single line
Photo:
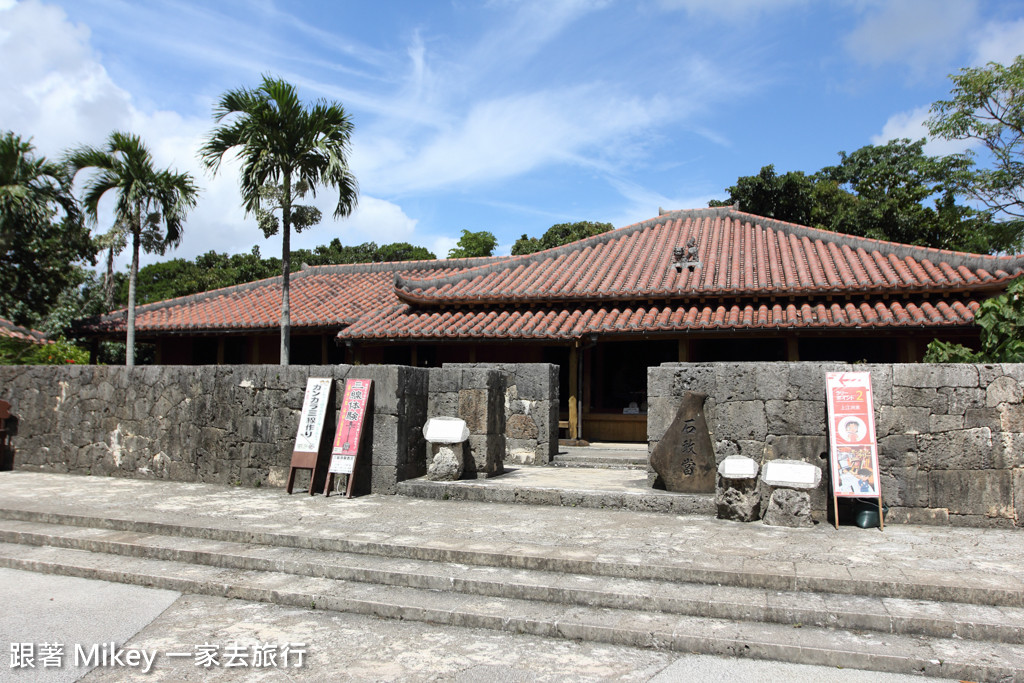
[(413, 357), (158, 356), (325, 349), (908, 350), (684, 350), (254, 349), (574, 374), (472, 353), (792, 348), (220, 350)]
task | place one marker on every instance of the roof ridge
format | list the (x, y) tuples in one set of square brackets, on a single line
[(537, 256), (396, 266), (21, 329), (1013, 264), (953, 258)]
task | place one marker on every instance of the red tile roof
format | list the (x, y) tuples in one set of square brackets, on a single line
[(11, 331), (752, 273), (321, 297), (740, 255)]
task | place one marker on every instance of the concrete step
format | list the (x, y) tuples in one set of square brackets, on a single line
[(710, 571), (624, 461), (940, 657), (498, 490), (885, 615)]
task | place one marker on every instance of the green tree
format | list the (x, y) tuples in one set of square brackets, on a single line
[(1001, 320), (892, 192), (403, 251), (904, 195), (283, 143), (474, 244), (789, 197), (150, 204), (987, 105), (559, 234), (41, 232)]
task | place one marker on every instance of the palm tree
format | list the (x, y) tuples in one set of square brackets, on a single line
[(151, 204), (283, 144), (41, 231)]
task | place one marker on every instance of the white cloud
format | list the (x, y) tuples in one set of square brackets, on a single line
[(441, 245), (54, 89), (57, 92), (645, 202), (999, 42), (918, 33), (910, 125), (510, 136)]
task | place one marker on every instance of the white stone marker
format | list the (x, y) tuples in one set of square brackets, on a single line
[(738, 467), (447, 452), (793, 474)]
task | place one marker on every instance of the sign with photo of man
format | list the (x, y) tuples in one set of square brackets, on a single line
[(852, 441)]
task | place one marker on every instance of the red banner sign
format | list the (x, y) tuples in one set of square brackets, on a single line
[(350, 425), (851, 421)]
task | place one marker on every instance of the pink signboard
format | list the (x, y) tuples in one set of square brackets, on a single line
[(350, 428), (852, 441)]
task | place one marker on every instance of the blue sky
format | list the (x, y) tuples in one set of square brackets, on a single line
[(502, 116)]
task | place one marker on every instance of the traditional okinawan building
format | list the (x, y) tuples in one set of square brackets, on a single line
[(702, 285), (9, 330)]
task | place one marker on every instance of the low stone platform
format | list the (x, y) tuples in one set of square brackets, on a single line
[(619, 489), (943, 602)]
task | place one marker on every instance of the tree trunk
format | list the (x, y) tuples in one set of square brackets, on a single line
[(286, 266), (133, 276), (108, 282)]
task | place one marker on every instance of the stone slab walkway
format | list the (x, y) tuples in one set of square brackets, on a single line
[(957, 558)]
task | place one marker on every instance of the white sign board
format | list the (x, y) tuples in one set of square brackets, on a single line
[(738, 467), (791, 473), (314, 409), (342, 464), (445, 430)]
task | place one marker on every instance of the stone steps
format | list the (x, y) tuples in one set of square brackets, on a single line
[(710, 609), (624, 461), (490, 491), (886, 615)]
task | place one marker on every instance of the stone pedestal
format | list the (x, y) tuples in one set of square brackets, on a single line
[(684, 458), (737, 493), (446, 455), (791, 483), (447, 461)]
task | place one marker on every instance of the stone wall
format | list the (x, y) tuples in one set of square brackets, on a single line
[(223, 424), (950, 437), (531, 410), (477, 395)]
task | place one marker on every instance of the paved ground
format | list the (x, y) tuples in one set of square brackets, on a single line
[(342, 647), (352, 647), (935, 555)]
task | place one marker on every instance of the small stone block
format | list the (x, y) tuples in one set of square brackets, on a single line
[(792, 474), (445, 430), (738, 467), (447, 462)]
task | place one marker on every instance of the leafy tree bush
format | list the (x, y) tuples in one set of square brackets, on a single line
[(1001, 320), (987, 105), (41, 232), (60, 352), (473, 244), (559, 234), (892, 192)]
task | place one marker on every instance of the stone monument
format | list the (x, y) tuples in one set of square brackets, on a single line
[(791, 482), (737, 495), (446, 437), (684, 458)]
